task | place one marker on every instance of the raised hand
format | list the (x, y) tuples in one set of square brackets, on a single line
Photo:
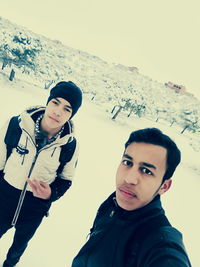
[(40, 189)]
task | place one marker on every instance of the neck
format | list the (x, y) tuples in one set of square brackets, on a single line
[(50, 131)]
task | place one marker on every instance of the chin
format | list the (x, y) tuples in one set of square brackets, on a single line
[(126, 205)]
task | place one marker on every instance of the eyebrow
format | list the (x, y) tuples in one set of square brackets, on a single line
[(68, 106), (127, 156), (146, 164)]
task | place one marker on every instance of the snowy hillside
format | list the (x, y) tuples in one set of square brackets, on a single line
[(42, 61), (102, 140)]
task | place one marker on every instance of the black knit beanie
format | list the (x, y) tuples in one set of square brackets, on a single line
[(68, 91)]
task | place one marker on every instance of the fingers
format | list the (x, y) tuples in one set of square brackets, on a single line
[(40, 189), (36, 184), (43, 184), (32, 184), (35, 187)]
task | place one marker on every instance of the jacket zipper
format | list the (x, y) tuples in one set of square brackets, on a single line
[(23, 193)]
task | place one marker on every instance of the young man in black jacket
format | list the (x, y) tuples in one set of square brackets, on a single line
[(131, 229)]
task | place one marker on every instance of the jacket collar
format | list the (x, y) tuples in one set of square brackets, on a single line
[(151, 209)]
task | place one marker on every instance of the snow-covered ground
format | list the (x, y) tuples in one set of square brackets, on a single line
[(62, 234)]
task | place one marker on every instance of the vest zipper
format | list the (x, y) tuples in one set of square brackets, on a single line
[(112, 213)]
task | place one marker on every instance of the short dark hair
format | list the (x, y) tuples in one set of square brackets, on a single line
[(156, 137)]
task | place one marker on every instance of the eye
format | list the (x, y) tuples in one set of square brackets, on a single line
[(55, 102), (127, 163), (146, 171), (68, 110)]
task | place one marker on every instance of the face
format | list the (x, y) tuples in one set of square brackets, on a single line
[(139, 175), (57, 113)]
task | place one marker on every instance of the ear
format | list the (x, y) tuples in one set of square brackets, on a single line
[(165, 186)]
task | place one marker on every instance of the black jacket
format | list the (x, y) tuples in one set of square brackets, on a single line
[(140, 238)]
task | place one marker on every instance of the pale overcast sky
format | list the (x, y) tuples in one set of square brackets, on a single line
[(160, 37)]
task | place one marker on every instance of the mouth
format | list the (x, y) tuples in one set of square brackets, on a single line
[(127, 193), (53, 119)]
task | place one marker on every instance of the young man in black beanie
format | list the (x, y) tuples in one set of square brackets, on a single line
[(39, 168)]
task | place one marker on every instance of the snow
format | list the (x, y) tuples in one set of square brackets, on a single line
[(110, 83), (62, 234)]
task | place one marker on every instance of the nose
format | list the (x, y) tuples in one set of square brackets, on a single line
[(58, 111), (132, 176)]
